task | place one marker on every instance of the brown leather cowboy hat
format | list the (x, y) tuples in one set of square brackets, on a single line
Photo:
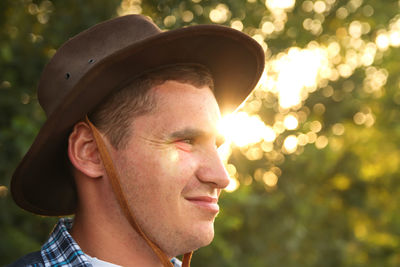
[(105, 58)]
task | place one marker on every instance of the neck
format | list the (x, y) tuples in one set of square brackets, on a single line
[(109, 237)]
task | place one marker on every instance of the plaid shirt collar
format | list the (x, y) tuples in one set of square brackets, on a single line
[(62, 250)]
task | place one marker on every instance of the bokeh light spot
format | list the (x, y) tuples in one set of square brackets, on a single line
[(290, 122), (319, 7), (307, 6), (290, 144), (3, 191), (268, 27), (321, 142), (382, 41), (169, 21), (270, 179), (338, 129), (237, 25), (315, 126), (187, 16), (220, 13)]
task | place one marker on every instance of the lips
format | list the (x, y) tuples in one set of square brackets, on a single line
[(205, 202)]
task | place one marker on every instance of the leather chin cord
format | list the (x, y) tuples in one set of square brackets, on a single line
[(119, 193)]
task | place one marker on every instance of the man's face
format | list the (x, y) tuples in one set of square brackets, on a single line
[(170, 169)]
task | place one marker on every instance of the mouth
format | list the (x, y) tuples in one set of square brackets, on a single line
[(205, 202)]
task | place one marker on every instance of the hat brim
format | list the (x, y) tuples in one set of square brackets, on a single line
[(43, 184)]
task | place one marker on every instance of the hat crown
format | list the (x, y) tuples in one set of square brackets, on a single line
[(80, 53)]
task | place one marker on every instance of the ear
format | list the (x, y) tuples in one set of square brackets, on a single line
[(83, 152)]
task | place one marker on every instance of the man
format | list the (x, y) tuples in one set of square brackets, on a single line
[(129, 145)]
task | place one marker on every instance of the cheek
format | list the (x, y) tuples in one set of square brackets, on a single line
[(174, 161), (177, 167), (168, 162), (161, 171)]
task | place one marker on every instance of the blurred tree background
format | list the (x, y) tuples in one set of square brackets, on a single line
[(315, 176)]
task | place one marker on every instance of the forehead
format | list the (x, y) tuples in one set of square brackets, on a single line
[(180, 105), (174, 95)]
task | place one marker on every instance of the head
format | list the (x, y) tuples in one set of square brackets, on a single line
[(161, 131), (84, 71)]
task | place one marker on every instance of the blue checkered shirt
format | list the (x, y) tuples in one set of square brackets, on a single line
[(62, 250)]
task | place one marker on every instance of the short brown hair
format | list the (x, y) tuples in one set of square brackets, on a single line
[(114, 116)]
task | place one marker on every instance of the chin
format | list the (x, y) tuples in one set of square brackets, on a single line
[(201, 236), (194, 239)]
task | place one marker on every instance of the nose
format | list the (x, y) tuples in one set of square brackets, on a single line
[(212, 170)]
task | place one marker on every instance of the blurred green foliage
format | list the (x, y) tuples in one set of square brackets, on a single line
[(333, 205)]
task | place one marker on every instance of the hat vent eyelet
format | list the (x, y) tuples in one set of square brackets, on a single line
[(91, 61), (67, 75)]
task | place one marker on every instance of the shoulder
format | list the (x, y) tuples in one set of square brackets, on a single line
[(31, 259)]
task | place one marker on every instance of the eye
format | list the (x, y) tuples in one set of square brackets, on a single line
[(187, 141), (185, 144)]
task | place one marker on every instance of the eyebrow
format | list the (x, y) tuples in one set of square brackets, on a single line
[(188, 132), (193, 132)]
